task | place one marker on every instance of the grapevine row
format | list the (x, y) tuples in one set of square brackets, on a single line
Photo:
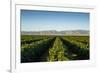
[(33, 52), (56, 53), (80, 50)]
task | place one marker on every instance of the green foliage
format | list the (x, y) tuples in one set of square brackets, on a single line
[(76, 47), (32, 52), (56, 53), (36, 48), (27, 39)]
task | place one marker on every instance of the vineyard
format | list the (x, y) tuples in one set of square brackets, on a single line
[(36, 48)]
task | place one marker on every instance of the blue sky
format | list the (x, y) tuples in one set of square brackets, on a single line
[(35, 20)]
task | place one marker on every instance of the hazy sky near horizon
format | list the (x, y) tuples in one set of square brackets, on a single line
[(35, 20)]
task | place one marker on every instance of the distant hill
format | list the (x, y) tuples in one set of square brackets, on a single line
[(54, 32)]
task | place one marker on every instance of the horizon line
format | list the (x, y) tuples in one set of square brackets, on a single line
[(57, 30)]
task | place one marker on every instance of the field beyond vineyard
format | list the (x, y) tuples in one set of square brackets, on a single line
[(47, 48)]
